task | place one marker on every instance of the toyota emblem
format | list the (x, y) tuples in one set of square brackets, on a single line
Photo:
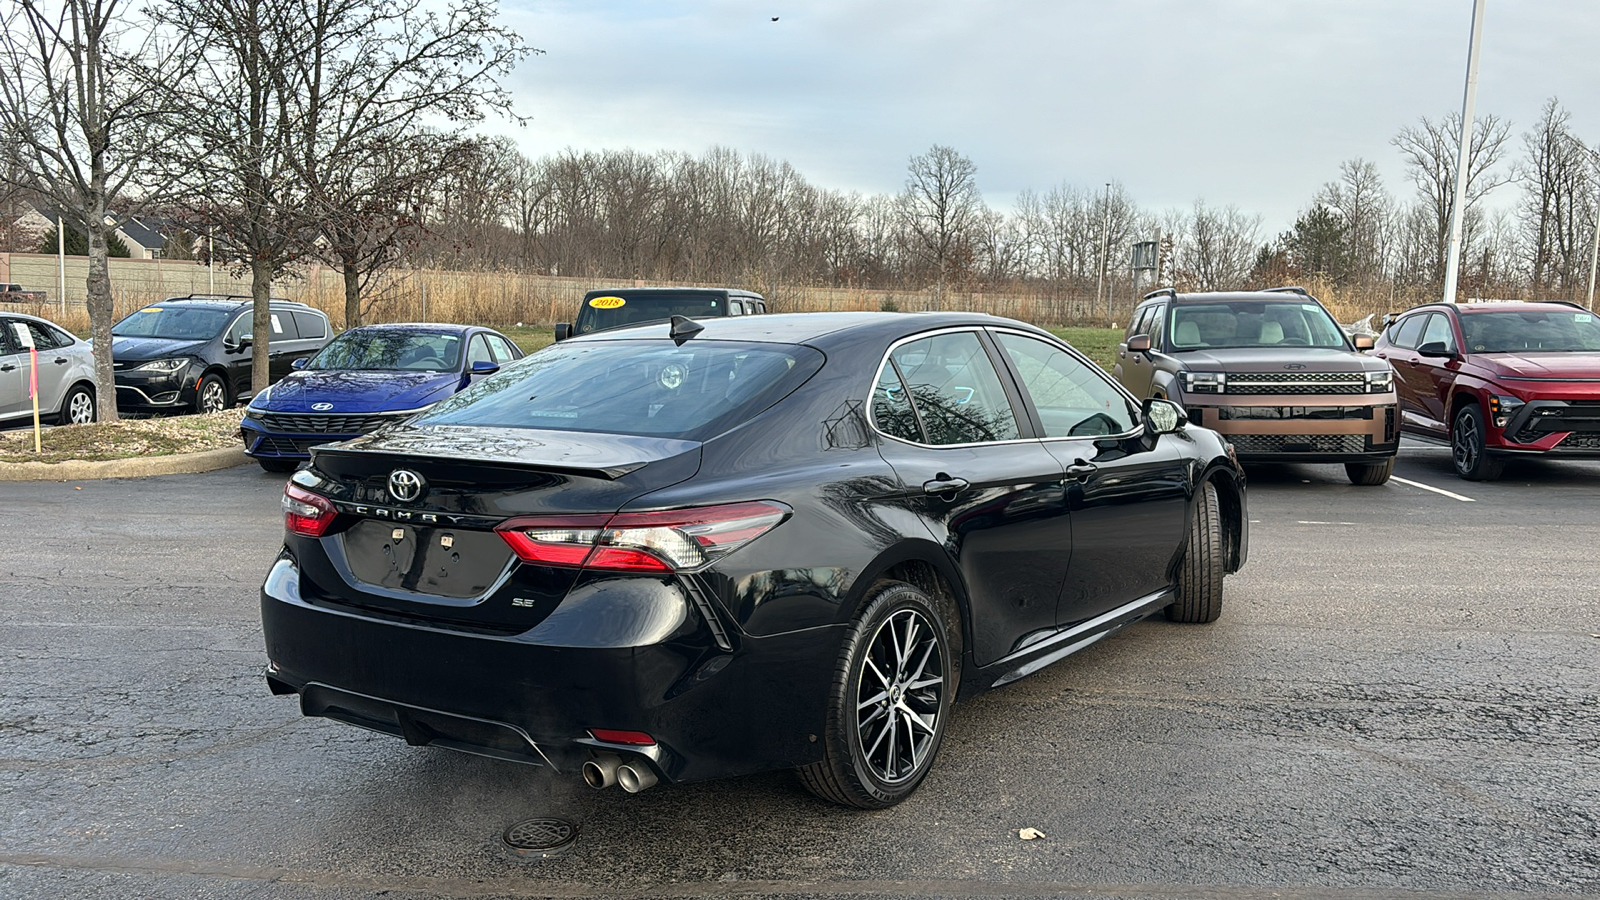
[(322, 407), (406, 485)]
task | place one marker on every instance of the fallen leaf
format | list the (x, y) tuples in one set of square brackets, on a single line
[(1030, 834)]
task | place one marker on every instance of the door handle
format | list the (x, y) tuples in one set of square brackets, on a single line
[(944, 484), (1080, 470), (1412, 363), (8, 367), (61, 360)]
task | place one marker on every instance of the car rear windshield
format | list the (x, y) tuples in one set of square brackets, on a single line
[(613, 310), (391, 349), (178, 322), (654, 388), (1537, 330), (1201, 326)]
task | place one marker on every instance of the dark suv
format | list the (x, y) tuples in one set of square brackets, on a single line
[(619, 307), (1272, 371), (193, 353)]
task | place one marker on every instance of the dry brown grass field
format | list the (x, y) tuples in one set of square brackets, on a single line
[(507, 299)]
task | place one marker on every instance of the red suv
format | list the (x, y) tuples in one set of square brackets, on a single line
[(1498, 379)]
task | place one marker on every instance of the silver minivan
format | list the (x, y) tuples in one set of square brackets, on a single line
[(66, 373)]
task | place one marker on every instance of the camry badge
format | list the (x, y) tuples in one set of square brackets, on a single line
[(322, 407), (406, 485)]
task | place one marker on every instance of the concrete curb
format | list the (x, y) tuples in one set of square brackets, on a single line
[(135, 467)]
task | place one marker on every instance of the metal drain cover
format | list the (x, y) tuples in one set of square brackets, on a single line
[(540, 838)]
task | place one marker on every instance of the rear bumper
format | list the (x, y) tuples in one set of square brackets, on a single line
[(712, 712)]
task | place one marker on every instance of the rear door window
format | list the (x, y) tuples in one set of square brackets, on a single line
[(503, 351), (283, 325), (310, 325), (955, 391)]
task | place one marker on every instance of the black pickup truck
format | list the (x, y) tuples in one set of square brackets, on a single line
[(11, 292)]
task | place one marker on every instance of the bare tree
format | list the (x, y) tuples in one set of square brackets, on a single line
[(1557, 211), (77, 113), (1430, 150), (356, 99), (940, 207), (1218, 248), (231, 132), (1365, 206)]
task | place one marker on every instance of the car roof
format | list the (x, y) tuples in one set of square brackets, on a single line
[(218, 301), (807, 328), (421, 326), (1478, 306), (732, 292), (1275, 296)]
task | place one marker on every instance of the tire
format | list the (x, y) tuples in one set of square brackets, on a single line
[(211, 396), (278, 466), (1200, 574), (78, 407), (1467, 447), (1370, 473), (867, 762)]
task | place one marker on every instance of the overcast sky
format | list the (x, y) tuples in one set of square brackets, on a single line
[(1250, 102)]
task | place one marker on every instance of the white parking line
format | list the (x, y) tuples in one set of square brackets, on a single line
[(1429, 487), (1313, 522)]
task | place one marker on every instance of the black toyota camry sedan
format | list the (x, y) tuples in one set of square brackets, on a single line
[(691, 550)]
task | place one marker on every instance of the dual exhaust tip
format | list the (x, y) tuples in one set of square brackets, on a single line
[(605, 769)]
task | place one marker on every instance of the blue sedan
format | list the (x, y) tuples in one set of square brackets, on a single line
[(363, 380)]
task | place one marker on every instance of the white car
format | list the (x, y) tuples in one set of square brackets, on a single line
[(66, 373)]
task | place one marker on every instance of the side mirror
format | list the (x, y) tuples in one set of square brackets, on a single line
[(1164, 416), (1363, 342), (1139, 343), (245, 340), (563, 330), (1436, 349), (300, 363), (484, 367)]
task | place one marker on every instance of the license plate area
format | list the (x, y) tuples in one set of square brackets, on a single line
[(427, 559)]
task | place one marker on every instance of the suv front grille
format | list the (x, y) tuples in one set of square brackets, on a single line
[(312, 423), (1298, 443), (1297, 383)]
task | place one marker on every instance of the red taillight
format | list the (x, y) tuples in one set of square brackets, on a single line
[(306, 513), (663, 542), (613, 736)]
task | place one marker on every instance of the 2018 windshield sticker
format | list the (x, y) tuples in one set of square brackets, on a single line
[(607, 302)]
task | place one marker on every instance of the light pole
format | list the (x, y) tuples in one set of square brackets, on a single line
[(1594, 248), (1452, 267), (1105, 248)]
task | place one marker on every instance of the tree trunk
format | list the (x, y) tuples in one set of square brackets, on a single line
[(352, 292), (260, 325), (102, 310)]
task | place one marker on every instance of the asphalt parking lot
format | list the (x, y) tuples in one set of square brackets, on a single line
[(1402, 699)]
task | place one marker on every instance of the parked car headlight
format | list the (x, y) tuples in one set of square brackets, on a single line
[(1205, 382), (1502, 408), (1380, 382), (162, 365)]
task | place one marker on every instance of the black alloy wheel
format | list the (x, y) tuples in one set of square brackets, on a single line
[(1467, 447), (1204, 564), (892, 693), (212, 396)]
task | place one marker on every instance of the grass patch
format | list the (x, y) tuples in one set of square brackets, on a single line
[(1099, 344), (125, 439), (529, 337)]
